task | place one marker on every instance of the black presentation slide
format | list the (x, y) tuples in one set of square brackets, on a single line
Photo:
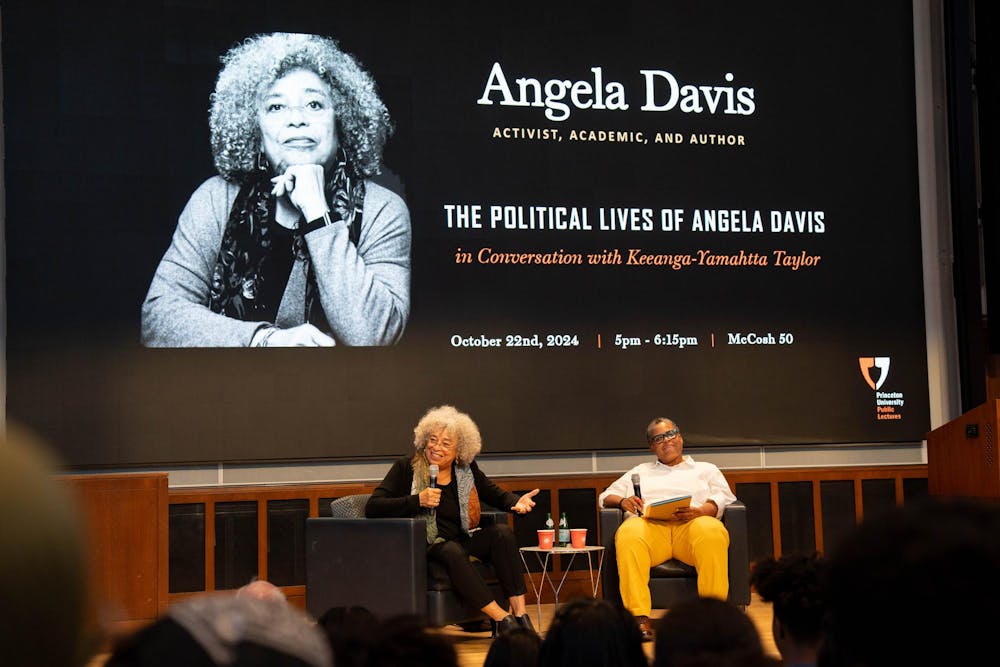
[(706, 211)]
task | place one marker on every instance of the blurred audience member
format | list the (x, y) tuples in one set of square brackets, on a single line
[(226, 629), (43, 575), (408, 641), (706, 632), (793, 586), (919, 585), (592, 633), (349, 630), (258, 589), (518, 647)]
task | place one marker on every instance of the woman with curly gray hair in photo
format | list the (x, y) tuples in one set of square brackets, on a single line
[(449, 441), (291, 244)]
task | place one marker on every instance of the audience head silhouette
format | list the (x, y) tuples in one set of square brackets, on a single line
[(226, 629), (916, 586), (349, 630), (518, 647), (408, 640), (705, 632), (793, 584), (258, 589), (592, 633), (43, 577)]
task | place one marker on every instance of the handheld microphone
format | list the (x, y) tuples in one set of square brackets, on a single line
[(635, 487), (433, 471)]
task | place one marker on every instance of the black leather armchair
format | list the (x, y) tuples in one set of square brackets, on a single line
[(381, 564), (673, 581)]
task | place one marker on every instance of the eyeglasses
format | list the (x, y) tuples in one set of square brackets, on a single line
[(447, 445), (666, 435)]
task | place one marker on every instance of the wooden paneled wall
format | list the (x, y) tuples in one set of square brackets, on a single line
[(788, 510), (219, 538), (126, 516)]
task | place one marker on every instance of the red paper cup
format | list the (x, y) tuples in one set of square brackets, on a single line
[(546, 538), (578, 537)]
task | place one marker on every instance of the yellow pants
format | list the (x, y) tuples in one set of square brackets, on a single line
[(641, 544)]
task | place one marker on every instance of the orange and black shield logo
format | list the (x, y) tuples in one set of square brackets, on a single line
[(868, 363)]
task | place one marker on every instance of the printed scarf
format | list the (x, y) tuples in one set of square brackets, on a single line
[(246, 242), (468, 497)]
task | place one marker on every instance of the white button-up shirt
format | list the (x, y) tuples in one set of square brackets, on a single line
[(657, 481)]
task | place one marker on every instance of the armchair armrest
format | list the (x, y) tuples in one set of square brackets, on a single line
[(735, 518), (609, 521), (380, 564), (491, 516)]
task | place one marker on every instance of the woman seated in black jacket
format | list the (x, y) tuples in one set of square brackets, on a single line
[(448, 441)]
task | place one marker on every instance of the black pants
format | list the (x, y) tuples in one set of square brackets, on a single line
[(492, 544)]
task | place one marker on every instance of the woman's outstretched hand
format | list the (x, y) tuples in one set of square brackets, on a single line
[(525, 503)]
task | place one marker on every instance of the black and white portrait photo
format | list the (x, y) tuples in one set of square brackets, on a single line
[(292, 243)]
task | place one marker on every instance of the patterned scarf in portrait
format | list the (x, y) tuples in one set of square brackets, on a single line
[(246, 242)]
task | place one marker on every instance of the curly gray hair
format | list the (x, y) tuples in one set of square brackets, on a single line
[(248, 71), (468, 442)]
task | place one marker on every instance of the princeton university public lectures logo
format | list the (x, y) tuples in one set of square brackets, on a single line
[(887, 403)]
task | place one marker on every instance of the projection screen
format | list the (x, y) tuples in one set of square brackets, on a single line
[(617, 211)]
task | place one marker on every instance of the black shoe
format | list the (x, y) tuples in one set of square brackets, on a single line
[(500, 627), (525, 621)]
